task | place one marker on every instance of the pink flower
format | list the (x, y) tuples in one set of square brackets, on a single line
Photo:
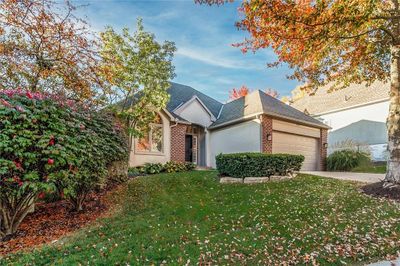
[(18, 164), (29, 95), (5, 103), (50, 161), (20, 109), (51, 141)]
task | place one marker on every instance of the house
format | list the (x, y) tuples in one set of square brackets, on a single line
[(356, 114), (195, 128)]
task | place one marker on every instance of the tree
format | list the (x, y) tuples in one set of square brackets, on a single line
[(238, 93), (271, 92), (244, 90), (136, 69), (45, 47), (296, 94), (334, 41)]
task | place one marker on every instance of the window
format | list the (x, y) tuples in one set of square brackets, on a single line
[(152, 142)]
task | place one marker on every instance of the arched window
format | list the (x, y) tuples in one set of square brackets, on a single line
[(152, 142)]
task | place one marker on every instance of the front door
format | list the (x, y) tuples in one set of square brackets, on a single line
[(188, 148)]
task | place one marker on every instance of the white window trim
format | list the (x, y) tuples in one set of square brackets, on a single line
[(151, 141)]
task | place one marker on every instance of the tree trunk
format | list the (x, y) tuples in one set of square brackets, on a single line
[(12, 212), (393, 121)]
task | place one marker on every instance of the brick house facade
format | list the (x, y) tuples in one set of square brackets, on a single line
[(178, 133), (196, 127), (266, 130)]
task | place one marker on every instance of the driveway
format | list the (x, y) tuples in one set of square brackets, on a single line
[(361, 177)]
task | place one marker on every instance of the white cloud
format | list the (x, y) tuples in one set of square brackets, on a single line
[(216, 60)]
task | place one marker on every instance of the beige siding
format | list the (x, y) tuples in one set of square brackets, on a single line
[(137, 158), (295, 144), (283, 126)]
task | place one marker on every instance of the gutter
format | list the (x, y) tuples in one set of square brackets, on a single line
[(272, 115), (351, 107)]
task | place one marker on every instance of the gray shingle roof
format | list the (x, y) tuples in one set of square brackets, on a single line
[(259, 102), (256, 102), (356, 94), (181, 93)]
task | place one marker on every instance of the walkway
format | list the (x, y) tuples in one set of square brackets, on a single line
[(361, 177)]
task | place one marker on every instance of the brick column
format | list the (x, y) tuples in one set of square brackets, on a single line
[(323, 151), (178, 133), (266, 129)]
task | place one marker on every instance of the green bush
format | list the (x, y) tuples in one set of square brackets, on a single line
[(173, 167), (346, 160), (190, 166), (152, 168), (257, 164), (156, 168), (48, 143)]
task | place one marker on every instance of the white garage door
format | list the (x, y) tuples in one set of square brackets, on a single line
[(294, 144)]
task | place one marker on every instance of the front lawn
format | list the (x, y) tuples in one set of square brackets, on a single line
[(189, 218)]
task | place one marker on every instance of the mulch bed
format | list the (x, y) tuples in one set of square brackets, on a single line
[(377, 190), (50, 221)]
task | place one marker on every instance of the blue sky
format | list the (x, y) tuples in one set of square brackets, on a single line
[(203, 35)]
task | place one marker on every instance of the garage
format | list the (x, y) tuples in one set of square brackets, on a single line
[(297, 139), (294, 144)]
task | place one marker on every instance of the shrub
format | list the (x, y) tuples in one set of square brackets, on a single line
[(345, 160), (257, 164), (190, 166), (172, 167), (156, 168), (152, 168), (49, 143)]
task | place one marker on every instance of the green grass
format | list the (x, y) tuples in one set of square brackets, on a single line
[(189, 218), (373, 169)]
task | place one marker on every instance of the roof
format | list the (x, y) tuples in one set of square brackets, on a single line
[(259, 102), (180, 94), (252, 104), (363, 132), (356, 94)]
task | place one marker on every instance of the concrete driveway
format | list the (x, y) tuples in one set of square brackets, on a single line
[(361, 177)]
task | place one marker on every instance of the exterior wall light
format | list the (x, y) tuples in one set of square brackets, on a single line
[(269, 137), (325, 145)]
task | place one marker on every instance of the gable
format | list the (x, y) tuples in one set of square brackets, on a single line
[(195, 112), (181, 94)]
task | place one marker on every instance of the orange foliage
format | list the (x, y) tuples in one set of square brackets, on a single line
[(44, 46), (238, 93)]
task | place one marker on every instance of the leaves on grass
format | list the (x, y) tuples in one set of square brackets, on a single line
[(189, 218)]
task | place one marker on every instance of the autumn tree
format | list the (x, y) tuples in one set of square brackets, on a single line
[(244, 90), (238, 93), (271, 92), (334, 41), (136, 69), (45, 47)]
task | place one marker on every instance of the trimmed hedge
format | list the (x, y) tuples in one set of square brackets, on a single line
[(257, 164)]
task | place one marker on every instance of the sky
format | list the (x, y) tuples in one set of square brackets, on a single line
[(205, 58)]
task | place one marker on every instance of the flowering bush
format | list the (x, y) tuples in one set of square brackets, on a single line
[(50, 143)]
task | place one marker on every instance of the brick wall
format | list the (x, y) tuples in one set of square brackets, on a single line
[(178, 133), (323, 151), (266, 128)]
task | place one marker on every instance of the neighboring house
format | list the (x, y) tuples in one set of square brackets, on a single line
[(357, 113), (195, 128)]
